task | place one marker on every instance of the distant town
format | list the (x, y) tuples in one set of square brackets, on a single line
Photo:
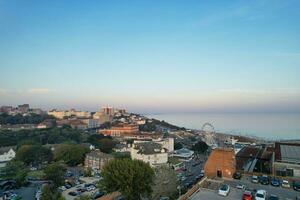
[(71, 154)]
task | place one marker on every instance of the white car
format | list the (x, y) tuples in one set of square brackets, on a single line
[(285, 184), (62, 188), (240, 186), (261, 195), (224, 190), (254, 179)]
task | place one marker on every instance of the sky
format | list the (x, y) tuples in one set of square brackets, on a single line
[(151, 56)]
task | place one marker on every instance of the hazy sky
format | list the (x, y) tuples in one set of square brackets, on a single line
[(151, 56)]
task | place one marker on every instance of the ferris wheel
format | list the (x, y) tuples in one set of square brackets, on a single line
[(209, 134)]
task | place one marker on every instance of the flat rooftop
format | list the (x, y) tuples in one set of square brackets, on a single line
[(287, 152)]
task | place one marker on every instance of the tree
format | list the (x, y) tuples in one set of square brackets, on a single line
[(30, 154), (71, 154), (133, 178), (200, 147), (104, 143), (165, 182), (55, 172), (83, 197), (50, 193), (15, 170)]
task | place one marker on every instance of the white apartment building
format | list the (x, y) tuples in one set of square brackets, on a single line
[(6, 154), (149, 152), (167, 143)]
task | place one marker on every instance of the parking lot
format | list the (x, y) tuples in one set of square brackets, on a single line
[(236, 194), (282, 193), (86, 180)]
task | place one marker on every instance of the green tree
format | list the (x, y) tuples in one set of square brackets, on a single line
[(15, 170), (37, 154), (71, 154), (133, 178), (165, 182), (55, 172), (104, 143), (83, 197), (200, 147), (50, 193)]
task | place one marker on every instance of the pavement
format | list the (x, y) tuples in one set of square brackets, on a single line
[(204, 194)]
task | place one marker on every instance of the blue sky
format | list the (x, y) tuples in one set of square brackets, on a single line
[(151, 56)]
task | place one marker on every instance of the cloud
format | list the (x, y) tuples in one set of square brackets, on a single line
[(39, 91)]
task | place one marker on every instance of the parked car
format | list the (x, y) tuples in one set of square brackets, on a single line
[(224, 190), (273, 197), (264, 180), (73, 193), (62, 188), (275, 182), (241, 186), (97, 195), (285, 184), (254, 179), (247, 195), (296, 185), (261, 195), (297, 197), (237, 175)]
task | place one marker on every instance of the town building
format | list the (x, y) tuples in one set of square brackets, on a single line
[(69, 113), (149, 152), (167, 143), (254, 158), (183, 154), (220, 163), (102, 117), (6, 155), (92, 123), (23, 108), (96, 160), (121, 130), (287, 159)]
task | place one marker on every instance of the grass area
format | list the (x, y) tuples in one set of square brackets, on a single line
[(36, 174)]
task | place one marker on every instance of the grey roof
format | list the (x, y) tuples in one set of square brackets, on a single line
[(98, 154), (6, 149), (148, 147), (290, 153)]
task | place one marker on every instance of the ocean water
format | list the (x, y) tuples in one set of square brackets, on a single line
[(273, 126)]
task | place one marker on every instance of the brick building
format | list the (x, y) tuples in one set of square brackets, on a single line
[(96, 160), (221, 163)]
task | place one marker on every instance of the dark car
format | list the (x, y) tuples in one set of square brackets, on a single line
[(273, 197), (98, 195), (264, 180), (237, 175), (275, 182), (73, 193), (296, 185)]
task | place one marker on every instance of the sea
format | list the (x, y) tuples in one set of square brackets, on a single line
[(271, 126)]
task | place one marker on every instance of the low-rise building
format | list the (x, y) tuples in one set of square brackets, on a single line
[(92, 123), (121, 130), (96, 160), (183, 154), (6, 155), (220, 163), (287, 159), (149, 152)]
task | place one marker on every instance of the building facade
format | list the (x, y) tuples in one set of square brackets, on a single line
[(149, 152), (96, 160), (221, 163)]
